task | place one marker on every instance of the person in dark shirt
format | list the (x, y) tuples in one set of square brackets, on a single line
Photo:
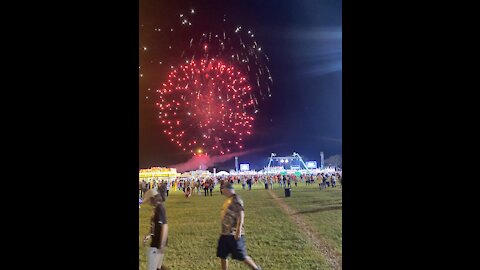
[(206, 186), (211, 186), (232, 239), (158, 229), (221, 184), (144, 188), (162, 187)]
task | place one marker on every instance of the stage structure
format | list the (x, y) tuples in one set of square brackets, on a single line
[(293, 162)]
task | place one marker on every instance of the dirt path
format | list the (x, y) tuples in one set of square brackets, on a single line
[(333, 258)]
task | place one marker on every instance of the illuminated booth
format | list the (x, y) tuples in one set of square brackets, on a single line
[(158, 173)]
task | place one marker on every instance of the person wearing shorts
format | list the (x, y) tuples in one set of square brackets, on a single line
[(232, 239)]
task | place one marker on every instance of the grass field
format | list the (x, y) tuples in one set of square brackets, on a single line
[(272, 238), (322, 211)]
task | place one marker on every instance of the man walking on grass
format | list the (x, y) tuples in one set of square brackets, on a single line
[(232, 237)]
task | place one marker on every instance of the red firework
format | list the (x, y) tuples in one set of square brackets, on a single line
[(206, 106)]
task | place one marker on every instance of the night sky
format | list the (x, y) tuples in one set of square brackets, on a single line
[(303, 42)]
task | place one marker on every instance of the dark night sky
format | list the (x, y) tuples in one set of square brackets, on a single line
[(303, 40)]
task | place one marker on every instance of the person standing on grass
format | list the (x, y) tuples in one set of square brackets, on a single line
[(192, 186), (162, 188), (158, 229), (232, 240), (211, 186), (205, 187), (169, 183), (221, 184), (144, 188)]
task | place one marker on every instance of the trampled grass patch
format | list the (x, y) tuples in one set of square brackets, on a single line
[(322, 209)]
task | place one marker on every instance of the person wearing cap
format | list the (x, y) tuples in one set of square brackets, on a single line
[(158, 229), (232, 239)]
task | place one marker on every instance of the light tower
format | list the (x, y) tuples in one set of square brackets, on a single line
[(236, 164), (321, 160)]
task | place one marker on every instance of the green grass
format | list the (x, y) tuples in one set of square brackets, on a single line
[(322, 210), (272, 239)]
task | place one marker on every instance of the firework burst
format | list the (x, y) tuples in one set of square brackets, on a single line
[(206, 107), (216, 81)]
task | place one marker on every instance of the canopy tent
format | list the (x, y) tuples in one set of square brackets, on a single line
[(186, 174), (196, 174), (222, 173)]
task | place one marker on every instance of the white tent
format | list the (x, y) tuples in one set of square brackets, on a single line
[(186, 174), (222, 173)]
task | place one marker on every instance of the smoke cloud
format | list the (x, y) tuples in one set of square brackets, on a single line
[(208, 161)]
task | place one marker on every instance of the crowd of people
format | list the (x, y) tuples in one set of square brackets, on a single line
[(205, 185)]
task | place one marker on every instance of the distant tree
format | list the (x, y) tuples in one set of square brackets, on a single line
[(335, 160)]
